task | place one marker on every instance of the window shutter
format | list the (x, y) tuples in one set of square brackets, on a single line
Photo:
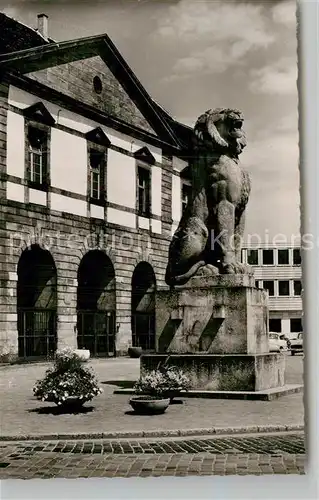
[(28, 166), (45, 164)]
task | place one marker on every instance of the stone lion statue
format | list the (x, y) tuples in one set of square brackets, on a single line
[(208, 238)]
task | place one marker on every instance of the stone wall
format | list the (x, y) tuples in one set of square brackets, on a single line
[(76, 80), (6, 301), (69, 238)]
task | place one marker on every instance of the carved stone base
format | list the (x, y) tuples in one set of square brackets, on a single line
[(225, 372), (224, 314)]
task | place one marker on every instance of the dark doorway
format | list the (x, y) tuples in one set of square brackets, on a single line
[(36, 303), (143, 307), (96, 304)]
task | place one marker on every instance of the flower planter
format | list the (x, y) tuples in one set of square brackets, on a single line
[(171, 395), (134, 352), (149, 405), (83, 354), (70, 401), (73, 402)]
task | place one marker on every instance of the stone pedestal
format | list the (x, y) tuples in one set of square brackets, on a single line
[(216, 329), (220, 315)]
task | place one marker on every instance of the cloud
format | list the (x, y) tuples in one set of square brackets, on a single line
[(211, 60), (279, 77), (274, 153), (288, 123), (9, 11), (217, 21), (285, 13), (213, 35), (273, 166)]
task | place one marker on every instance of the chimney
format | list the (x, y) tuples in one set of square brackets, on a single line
[(43, 25)]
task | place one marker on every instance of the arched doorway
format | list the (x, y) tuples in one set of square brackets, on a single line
[(96, 304), (143, 307), (36, 303)]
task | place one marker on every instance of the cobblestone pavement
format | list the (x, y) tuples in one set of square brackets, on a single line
[(23, 415), (267, 454)]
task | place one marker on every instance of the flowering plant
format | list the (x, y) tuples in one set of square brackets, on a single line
[(67, 378), (176, 379), (165, 381)]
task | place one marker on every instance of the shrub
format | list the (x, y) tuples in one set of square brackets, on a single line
[(68, 377)]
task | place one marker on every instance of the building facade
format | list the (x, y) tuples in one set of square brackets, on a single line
[(91, 172), (277, 268)]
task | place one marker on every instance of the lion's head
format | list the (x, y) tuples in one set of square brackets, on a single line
[(221, 129)]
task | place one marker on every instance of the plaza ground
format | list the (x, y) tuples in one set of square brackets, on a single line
[(33, 446), (22, 415)]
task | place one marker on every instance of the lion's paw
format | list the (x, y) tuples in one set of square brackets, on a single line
[(208, 270), (234, 268)]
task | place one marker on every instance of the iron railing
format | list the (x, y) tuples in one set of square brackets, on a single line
[(143, 331), (37, 332), (96, 332)]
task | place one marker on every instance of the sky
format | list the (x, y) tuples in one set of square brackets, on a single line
[(193, 55)]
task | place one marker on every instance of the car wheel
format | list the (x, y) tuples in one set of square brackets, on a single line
[(292, 353)]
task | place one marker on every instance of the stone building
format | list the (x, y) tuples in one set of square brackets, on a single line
[(277, 268), (91, 172)]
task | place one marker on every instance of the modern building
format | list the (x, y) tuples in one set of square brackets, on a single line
[(91, 189), (277, 268)]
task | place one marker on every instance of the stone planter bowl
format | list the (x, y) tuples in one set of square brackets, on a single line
[(83, 354), (134, 352), (70, 402), (149, 405), (73, 401)]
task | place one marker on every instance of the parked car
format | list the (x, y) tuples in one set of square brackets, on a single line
[(297, 344), (276, 344), (284, 337)]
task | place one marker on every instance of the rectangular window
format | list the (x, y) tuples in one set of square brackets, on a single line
[(269, 285), (144, 185), (296, 257), (268, 257), (186, 192), (37, 155), (295, 325), (96, 174), (95, 184), (297, 287), (283, 257), (275, 325), (252, 257), (283, 288), (257, 284)]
